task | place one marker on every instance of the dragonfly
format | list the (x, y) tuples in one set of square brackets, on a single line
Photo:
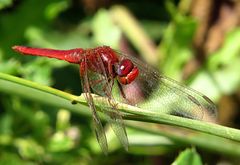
[(103, 69)]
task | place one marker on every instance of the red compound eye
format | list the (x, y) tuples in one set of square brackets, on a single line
[(125, 67), (127, 72)]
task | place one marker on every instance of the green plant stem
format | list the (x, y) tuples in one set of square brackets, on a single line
[(161, 118), (210, 128), (33, 91), (14, 85), (186, 137)]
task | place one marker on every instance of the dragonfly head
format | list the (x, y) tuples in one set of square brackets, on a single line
[(126, 71)]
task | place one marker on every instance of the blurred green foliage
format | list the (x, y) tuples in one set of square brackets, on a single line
[(188, 157), (34, 133)]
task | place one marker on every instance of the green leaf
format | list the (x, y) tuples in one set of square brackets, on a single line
[(55, 8), (105, 32), (60, 142), (222, 73), (29, 149), (175, 48), (63, 120), (188, 157), (11, 158), (5, 3)]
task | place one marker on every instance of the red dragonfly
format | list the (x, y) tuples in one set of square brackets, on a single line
[(137, 84)]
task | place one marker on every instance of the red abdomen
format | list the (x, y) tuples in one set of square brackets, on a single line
[(72, 55)]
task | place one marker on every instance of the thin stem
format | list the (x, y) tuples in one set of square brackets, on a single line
[(34, 91), (135, 33), (161, 118)]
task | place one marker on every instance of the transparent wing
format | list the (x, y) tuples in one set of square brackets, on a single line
[(168, 96), (102, 84), (98, 128)]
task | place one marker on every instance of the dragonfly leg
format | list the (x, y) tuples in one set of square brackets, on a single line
[(82, 71), (121, 90), (97, 125)]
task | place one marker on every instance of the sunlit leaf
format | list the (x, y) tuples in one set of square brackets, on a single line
[(188, 157), (108, 34), (5, 3)]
